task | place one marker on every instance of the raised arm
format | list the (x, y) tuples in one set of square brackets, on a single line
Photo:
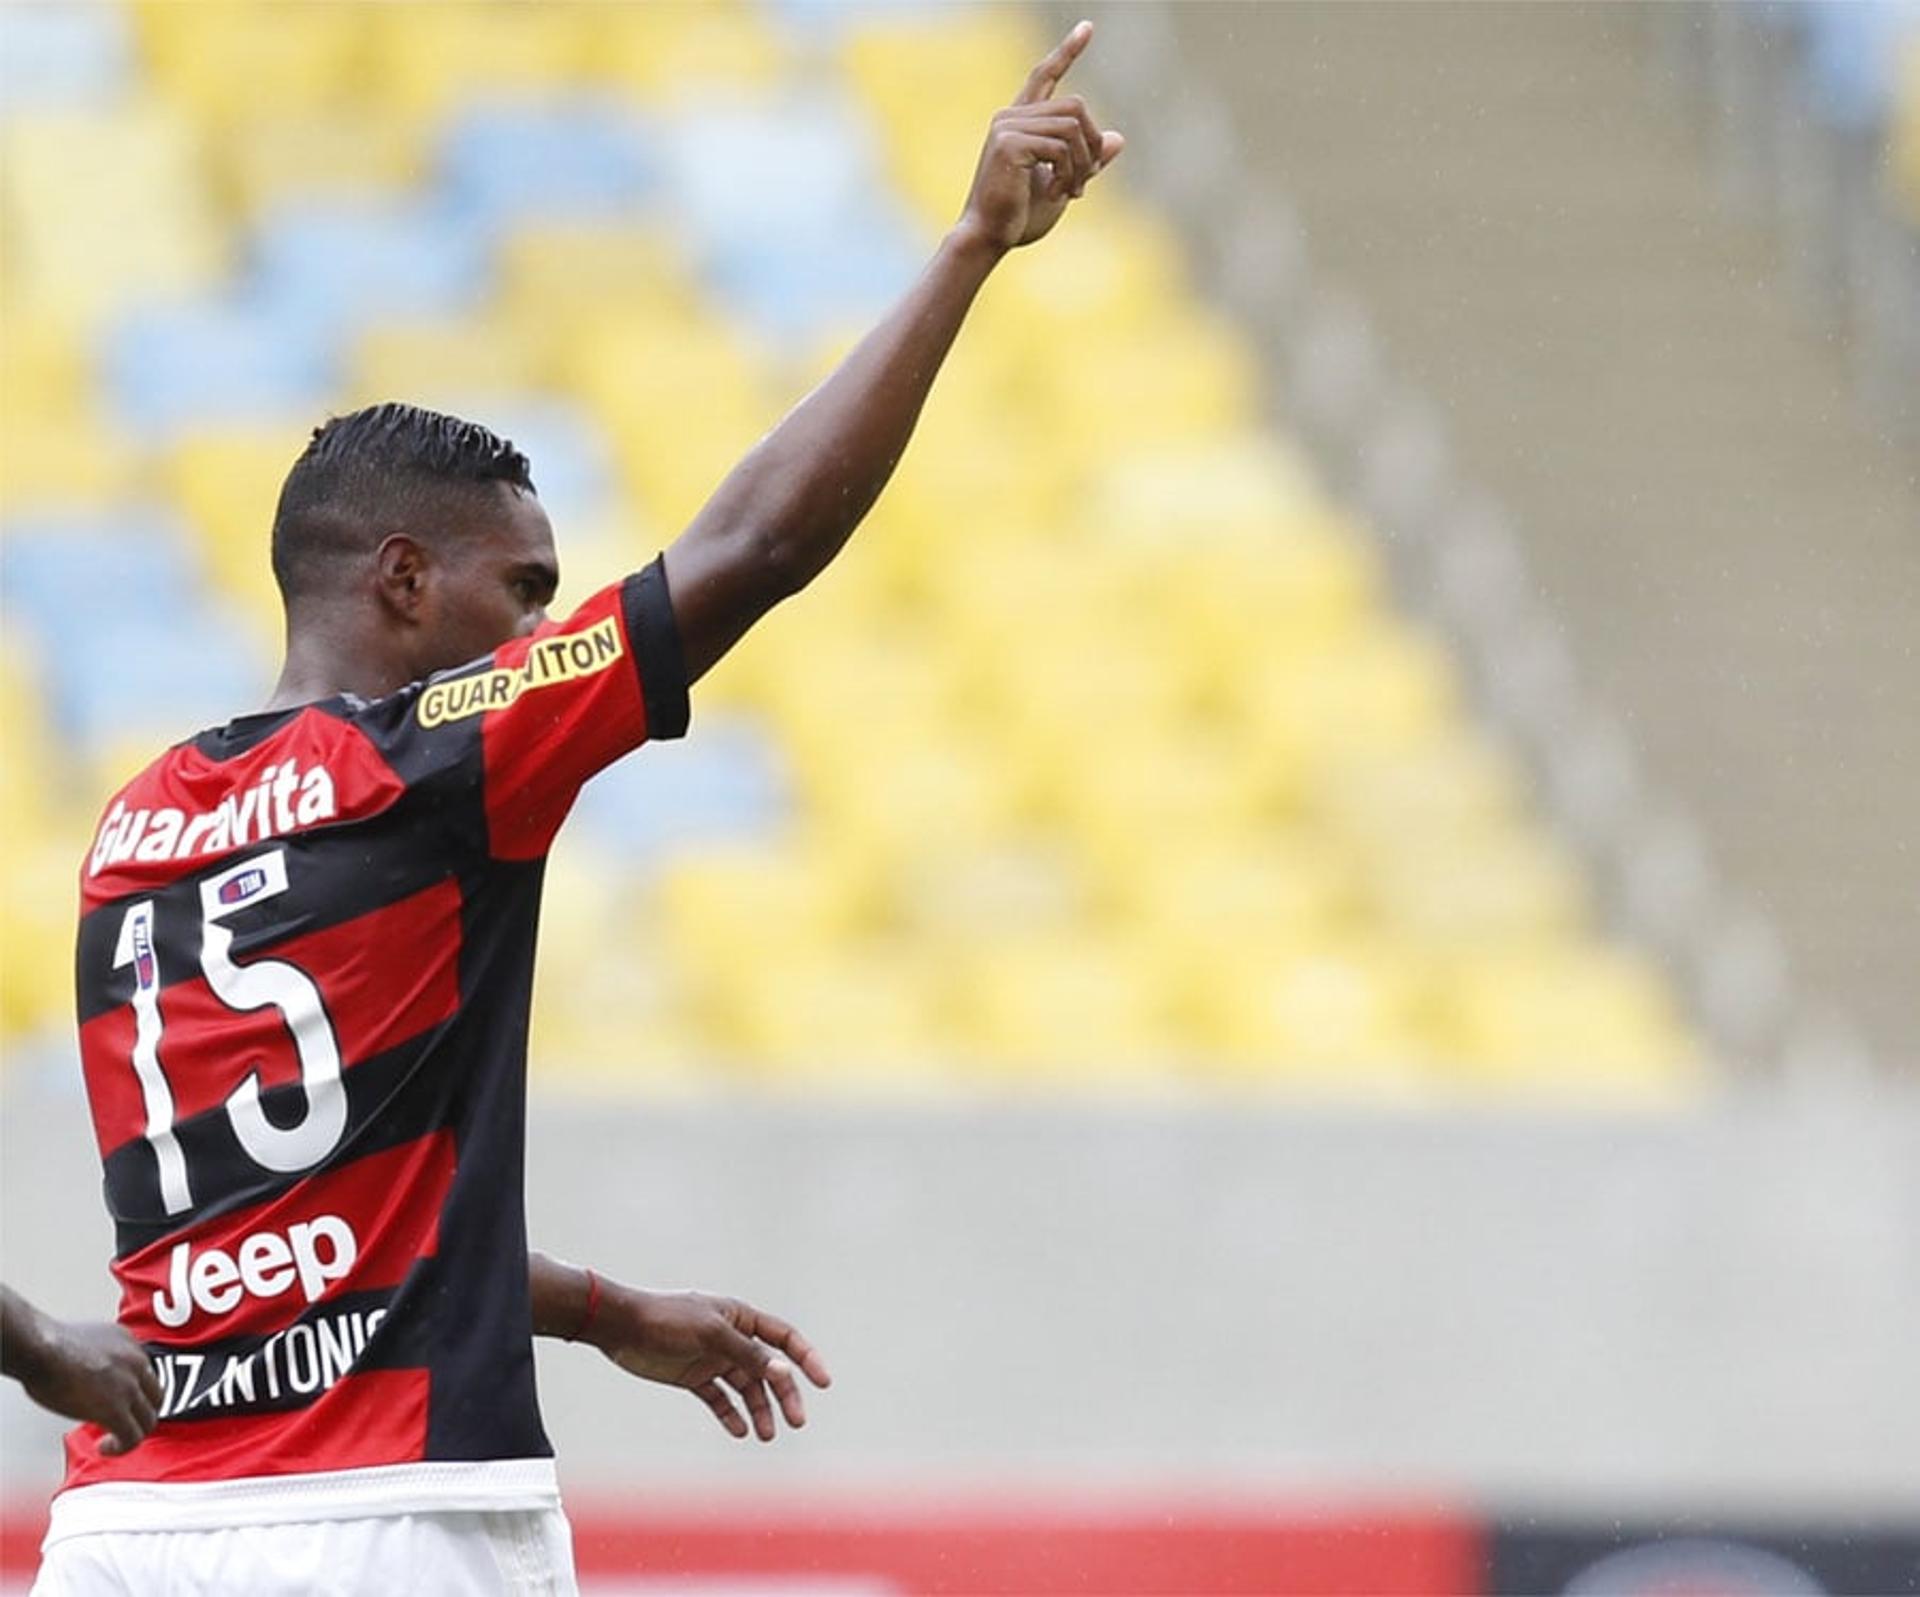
[(785, 511)]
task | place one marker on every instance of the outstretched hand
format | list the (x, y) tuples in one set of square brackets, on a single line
[(1040, 155), (717, 1348), (91, 1371)]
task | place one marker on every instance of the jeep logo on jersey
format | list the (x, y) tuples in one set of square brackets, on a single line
[(552, 660), (315, 1253)]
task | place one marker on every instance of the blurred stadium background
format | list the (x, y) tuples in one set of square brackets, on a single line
[(1305, 964)]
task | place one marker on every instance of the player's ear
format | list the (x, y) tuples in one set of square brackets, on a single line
[(400, 567)]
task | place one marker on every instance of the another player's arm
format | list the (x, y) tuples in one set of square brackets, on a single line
[(785, 511), (694, 1340), (81, 1369)]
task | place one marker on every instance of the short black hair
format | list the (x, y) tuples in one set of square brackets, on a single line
[(376, 471)]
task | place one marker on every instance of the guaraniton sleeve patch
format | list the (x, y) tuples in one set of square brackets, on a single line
[(551, 661)]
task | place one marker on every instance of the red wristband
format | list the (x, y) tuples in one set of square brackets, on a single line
[(593, 1307)]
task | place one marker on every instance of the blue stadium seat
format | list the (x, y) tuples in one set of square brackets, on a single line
[(766, 174), (60, 54), (77, 572), (1854, 59), (503, 164), (726, 785), (793, 290), (129, 645), (344, 263), (173, 368)]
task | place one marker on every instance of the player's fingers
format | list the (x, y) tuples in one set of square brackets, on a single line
[(145, 1414), (1075, 108), (1043, 79), (150, 1383), (772, 1329), (1111, 144), (714, 1396), (126, 1433), (1031, 150), (1072, 133), (786, 1392), (753, 1392)]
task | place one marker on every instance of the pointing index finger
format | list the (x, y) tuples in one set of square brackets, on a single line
[(1044, 78)]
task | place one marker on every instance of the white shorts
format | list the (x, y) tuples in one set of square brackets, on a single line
[(497, 1553)]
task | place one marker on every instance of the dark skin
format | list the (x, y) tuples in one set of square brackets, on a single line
[(82, 1369), (422, 602)]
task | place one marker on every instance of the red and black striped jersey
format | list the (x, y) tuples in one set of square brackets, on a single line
[(304, 971)]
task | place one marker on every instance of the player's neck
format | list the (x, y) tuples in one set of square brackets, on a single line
[(318, 666)]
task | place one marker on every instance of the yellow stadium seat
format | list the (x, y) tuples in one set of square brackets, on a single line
[(228, 485), (1380, 686), (227, 59), (147, 229), (1180, 375), (1037, 1009), (1453, 783), (735, 904), (440, 362), (36, 932), (276, 155), (960, 893), (678, 52), (613, 1015), (1219, 890), (1501, 886), (934, 78), (426, 57), (558, 277), (52, 461), (682, 400), (1565, 1018), (1346, 1016), (1105, 270), (851, 1016)]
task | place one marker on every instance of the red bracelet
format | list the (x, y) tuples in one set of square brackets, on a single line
[(593, 1306)]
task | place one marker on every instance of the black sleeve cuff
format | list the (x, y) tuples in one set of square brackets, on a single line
[(656, 650)]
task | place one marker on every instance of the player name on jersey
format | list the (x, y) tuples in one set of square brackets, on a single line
[(283, 799)]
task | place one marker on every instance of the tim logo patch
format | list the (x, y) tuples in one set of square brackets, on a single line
[(566, 658), (238, 889)]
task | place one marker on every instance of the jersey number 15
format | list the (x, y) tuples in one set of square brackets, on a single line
[(264, 984)]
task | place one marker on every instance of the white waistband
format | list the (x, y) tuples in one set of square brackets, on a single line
[(451, 1486)]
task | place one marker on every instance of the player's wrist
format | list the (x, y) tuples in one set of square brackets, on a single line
[(30, 1348), (969, 243)]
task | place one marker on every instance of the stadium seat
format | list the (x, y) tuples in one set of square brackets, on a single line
[(282, 158), (227, 483), (690, 54), (226, 61), (1035, 1009), (148, 230), (1579, 1019), (1904, 168), (726, 786), (427, 59), (432, 360), (63, 55), (1345, 1017), (180, 368), (513, 164), (342, 263)]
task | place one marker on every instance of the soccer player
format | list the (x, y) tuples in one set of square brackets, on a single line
[(304, 968)]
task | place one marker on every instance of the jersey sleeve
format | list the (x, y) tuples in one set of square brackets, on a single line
[(560, 704)]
